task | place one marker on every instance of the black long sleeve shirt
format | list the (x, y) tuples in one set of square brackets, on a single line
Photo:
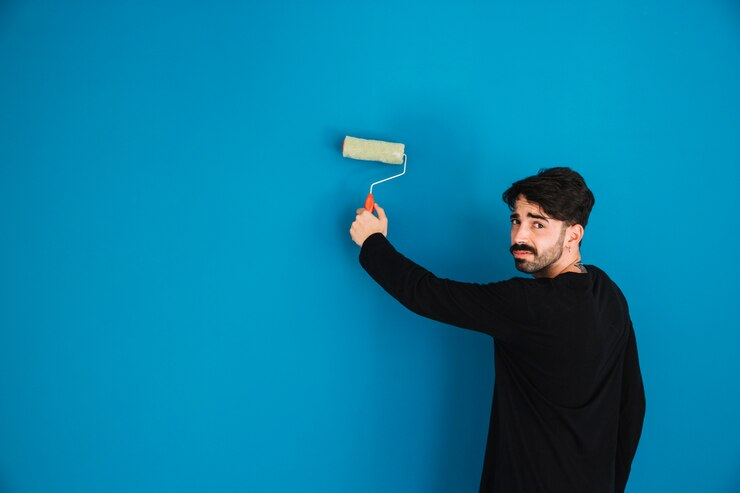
[(568, 400)]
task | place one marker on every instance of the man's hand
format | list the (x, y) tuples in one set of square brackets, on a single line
[(367, 224)]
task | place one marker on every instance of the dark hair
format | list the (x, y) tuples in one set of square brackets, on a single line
[(561, 192)]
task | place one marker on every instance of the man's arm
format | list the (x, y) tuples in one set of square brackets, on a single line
[(481, 307), (631, 413)]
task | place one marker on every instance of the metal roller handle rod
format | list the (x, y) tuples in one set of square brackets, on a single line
[(391, 177)]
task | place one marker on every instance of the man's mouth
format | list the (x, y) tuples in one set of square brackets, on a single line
[(521, 253), (521, 250)]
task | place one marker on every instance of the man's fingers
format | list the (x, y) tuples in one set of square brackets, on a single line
[(364, 213), (366, 224)]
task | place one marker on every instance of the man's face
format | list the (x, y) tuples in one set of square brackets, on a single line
[(536, 238)]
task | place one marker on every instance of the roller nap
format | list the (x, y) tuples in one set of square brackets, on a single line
[(373, 150)]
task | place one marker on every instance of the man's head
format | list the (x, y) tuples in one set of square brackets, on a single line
[(549, 213)]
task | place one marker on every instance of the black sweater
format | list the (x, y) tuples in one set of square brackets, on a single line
[(568, 400)]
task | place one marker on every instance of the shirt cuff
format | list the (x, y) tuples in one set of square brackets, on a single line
[(372, 245)]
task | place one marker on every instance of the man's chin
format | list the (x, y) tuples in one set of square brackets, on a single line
[(523, 266)]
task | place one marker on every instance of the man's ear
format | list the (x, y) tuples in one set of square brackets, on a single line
[(574, 235)]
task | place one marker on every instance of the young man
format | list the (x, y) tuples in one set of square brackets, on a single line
[(568, 400)]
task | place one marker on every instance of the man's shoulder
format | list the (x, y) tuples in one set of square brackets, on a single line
[(600, 274), (602, 280)]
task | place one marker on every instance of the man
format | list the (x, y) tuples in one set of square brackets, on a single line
[(568, 400)]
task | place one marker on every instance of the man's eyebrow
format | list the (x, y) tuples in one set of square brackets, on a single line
[(529, 214), (537, 216)]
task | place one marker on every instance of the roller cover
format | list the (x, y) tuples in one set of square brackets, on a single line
[(373, 150)]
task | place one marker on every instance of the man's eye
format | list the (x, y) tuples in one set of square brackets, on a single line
[(539, 225), (515, 221)]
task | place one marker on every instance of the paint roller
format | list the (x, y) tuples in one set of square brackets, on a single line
[(374, 150)]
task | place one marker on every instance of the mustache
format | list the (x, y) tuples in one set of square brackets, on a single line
[(525, 248)]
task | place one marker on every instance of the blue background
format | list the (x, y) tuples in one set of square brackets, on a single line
[(181, 307)]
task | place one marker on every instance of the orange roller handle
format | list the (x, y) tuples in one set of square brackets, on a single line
[(370, 203)]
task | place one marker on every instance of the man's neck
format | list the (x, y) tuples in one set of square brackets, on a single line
[(570, 262)]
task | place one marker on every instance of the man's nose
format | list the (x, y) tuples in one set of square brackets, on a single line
[(519, 235)]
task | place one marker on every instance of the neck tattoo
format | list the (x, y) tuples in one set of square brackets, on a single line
[(578, 265)]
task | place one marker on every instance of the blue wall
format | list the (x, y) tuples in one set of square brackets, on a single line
[(181, 307)]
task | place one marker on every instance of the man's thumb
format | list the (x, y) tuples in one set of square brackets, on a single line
[(381, 212)]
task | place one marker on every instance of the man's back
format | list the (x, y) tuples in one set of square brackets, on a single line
[(568, 399), (559, 378)]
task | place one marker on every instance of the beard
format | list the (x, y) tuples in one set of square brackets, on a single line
[(539, 261)]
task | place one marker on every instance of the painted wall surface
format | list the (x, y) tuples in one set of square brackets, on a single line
[(181, 306)]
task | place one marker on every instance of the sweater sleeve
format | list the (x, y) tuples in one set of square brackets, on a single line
[(631, 413), (481, 307)]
